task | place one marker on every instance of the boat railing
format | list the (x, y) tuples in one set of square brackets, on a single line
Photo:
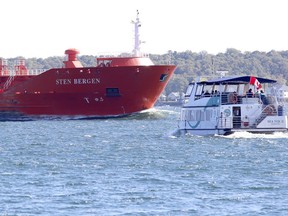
[(121, 55), (31, 72), (226, 97), (236, 122), (224, 122), (8, 82), (250, 121), (36, 71), (233, 98)]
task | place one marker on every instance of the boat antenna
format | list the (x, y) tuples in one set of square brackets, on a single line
[(137, 41), (222, 73), (213, 68)]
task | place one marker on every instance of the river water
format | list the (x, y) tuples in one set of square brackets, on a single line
[(135, 166)]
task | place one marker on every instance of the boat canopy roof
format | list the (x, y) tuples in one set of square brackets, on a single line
[(235, 80)]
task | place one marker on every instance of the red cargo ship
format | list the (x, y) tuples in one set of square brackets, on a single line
[(116, 86)]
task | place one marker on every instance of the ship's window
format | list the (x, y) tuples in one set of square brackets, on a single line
[(104, 63), (241, 89), (199, 90), (231, 88), (215, 87), (189, 90), (207, 89), (163, 77), (112, 92), (100, 63), (107, 63)]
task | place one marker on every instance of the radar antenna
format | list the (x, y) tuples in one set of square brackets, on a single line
[(137, 41)]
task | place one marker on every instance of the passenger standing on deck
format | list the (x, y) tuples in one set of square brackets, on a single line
[(263, 98), (206, 94), (249, 94)]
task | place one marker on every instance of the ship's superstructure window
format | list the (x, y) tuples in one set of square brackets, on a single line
[(189, 90), (112, 92), (104, 63), (231, 88), (199, 90), (163, 77), (196, 115)]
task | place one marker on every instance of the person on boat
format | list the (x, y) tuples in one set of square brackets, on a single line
[(215, 92), (263, 98), (206, 94), (249, 94)]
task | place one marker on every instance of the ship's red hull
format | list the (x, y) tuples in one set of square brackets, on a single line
[(90, 91)]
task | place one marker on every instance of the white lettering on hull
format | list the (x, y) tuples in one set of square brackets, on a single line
[(83, 81), (79, 81), (97, 99), (63, 81)]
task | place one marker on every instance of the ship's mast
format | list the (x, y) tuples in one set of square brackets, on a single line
[(137, 41)]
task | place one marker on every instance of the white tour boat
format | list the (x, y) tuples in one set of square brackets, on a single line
[(228, 104)]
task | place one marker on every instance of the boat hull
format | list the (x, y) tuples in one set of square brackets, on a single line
[(205, 132), (86, 92), (214, 119), (223, 132)]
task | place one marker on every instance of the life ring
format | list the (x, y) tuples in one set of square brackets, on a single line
[(269, 110), (233, 98)]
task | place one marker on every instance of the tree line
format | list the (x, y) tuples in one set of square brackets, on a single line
[(273, 64)]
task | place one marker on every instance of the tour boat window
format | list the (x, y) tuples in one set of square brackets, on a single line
[(199, 90), (216, 89), (241, 89), (189, 90), (207, 90), (231, 88)]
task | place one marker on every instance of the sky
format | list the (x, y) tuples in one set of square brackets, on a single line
[(43, 28)]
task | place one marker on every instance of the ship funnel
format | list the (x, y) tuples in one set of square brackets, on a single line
[(72, 54), (72, 61)]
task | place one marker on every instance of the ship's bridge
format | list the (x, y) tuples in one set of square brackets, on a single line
[(123, 61)]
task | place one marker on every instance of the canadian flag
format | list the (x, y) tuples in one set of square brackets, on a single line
[(255, 82)]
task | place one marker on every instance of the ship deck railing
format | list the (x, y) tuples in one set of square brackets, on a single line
[(236, 122), (234, 98), (121, 55), (36, 71), (31, 72)]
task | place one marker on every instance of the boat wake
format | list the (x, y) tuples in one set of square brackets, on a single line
[(174, 134), (153, 114), (247, 135), (237, 135), (150, 114)]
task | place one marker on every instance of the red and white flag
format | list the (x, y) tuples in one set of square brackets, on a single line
[(255, 82)]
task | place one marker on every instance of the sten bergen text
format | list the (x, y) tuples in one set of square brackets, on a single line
[(79, 81)]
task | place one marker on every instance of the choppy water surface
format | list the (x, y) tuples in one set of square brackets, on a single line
[(134, 166)]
